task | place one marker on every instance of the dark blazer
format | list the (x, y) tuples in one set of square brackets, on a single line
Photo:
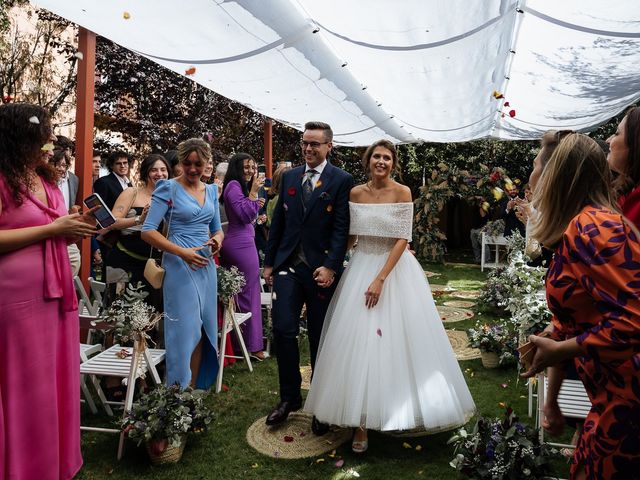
[(109, 188), (322, 229)]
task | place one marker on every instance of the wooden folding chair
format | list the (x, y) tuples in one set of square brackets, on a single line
[(231, 323), (572, 400)]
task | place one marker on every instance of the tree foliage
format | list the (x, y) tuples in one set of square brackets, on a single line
[(37, 66)]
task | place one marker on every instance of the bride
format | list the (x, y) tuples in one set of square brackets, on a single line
[(385, 361)]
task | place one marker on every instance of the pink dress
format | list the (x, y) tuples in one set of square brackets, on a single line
[(39, 352)]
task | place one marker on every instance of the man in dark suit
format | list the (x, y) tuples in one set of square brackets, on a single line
[(111, 186), (305, 251)]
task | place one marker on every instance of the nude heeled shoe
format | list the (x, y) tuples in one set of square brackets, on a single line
[(359, 446)]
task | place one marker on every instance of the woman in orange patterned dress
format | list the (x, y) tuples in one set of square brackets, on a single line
[(593, 291)]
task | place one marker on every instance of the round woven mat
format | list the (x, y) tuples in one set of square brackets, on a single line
[(453, 314), (429, 274), (460, 303), (437, 289), (460, 343), (294, 439), (468, 294), (305, 373)]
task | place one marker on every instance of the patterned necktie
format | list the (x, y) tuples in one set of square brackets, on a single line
[(307, 186)]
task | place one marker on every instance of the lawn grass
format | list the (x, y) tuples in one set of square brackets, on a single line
[(223, 453)]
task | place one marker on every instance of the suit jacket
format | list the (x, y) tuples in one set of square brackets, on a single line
[(73, 183), (109, 188), (322, 228)]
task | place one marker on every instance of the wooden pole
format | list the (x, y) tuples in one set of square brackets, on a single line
[(267, 129), (85, 97)]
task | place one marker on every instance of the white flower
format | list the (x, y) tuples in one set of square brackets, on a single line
[(79, 55), (34, 120)]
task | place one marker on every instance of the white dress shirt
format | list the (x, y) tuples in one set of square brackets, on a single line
[(316, 176), (63, 184), (124, 181)]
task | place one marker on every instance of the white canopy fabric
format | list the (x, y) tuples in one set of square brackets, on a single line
[(404, 70)]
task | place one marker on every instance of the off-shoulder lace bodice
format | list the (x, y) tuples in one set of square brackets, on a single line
[(379, 225)]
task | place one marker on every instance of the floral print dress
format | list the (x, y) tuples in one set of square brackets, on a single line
[(593, 291)]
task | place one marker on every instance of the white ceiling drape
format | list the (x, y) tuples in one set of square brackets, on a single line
[(405, 70)]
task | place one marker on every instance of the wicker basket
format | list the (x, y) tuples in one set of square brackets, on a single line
[(489, 359), (161, 452)]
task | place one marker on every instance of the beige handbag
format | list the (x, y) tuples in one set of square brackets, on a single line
[(154, 271)]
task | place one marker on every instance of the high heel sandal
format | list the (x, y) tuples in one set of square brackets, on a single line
[(359, 446)]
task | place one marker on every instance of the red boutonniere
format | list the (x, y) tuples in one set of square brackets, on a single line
[(291, 191), (170, 203)]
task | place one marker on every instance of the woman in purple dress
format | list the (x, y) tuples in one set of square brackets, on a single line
[(241, 202)]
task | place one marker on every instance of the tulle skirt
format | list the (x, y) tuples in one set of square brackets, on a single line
[(390, 367)]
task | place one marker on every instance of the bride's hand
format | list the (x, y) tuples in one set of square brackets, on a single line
[(372, 295)]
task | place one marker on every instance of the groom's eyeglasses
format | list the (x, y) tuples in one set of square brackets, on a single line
[(314, 145)]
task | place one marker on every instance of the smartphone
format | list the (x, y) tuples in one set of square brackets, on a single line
[(103, 215), (267, 183), (205, 251)]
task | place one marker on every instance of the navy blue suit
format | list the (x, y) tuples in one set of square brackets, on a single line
[(322, 230)]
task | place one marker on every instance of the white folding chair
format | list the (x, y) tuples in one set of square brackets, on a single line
[(85, 305), (231, 323), (488, 242), (87, 351), (98, 290), (135, 363), (572, 400), (266, 298)]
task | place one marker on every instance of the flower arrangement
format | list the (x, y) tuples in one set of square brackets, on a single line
[(167, 413), (231, 281), (501, 449), (494, 228), (130, 316), (488, 338)]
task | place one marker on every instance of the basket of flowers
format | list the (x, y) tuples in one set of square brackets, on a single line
[(162, 419), (497, 343)]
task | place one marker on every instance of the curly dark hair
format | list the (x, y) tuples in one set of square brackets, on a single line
[(24, 129), (148, 162), (236, 172)]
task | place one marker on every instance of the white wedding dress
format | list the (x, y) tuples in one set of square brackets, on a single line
[(390, 367)]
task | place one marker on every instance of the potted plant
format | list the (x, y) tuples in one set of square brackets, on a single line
[(163, 417), (497, 343), (502, 449)]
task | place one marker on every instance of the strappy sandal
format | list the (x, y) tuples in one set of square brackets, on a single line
[(359, 446)]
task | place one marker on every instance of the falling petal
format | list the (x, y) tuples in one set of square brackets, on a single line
[(225, 388), (339, 463), (288, 438), (79, 55), (512, 113), (34, 120), (277, 454), (504, 385), (332, 454), (254, 465), (48, 147), (320, 460), (126, 15), (502, 405), (190, 71), (497, 95), (379, 332), (506, 104), (406, 445), (302, 434), (418, 448)]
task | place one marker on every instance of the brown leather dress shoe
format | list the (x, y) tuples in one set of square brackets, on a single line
[(282, 411)]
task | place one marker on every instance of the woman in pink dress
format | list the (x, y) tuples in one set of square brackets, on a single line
[(39, 353)]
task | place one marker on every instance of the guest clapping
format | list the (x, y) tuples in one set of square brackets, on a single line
[(595, 304), (241, 202)]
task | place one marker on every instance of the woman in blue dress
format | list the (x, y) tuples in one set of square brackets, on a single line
[(190, 208)]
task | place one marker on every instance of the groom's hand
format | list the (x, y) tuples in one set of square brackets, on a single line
[(324, 276), (267, 275)]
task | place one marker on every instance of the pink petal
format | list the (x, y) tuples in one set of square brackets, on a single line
[(379, 332), (339, 463), (288, 438)]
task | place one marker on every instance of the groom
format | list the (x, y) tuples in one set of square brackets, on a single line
[(306, 248)]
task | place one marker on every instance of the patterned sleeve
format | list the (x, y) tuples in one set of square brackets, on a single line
[(604, 255)]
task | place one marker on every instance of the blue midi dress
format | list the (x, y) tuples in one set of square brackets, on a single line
[(189, 295)]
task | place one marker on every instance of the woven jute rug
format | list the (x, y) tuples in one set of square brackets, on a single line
[(460, 343), (453, 314), (467, 294), (294, 438), (460, 303)]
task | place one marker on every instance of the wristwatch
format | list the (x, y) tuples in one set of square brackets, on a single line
[(137, 219)]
